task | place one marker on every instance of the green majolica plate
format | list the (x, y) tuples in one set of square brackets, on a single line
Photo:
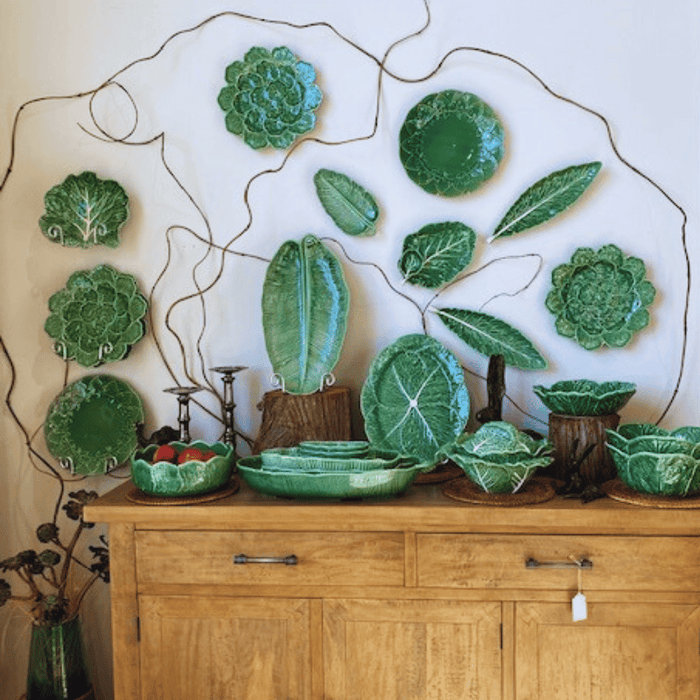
[(584, 397), (297, 459), (91, 426), (84, 211), (600, 297), (97, 317), (414, 400), (451, 142), (377, 483)]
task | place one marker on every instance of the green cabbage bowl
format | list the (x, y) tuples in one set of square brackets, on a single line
[(584, 397), (191, 478)]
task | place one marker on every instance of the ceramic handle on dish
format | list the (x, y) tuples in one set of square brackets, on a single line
[(289, 560), (573, 563)]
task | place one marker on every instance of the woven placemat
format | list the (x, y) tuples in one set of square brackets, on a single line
[(135, 495), (441, 473), (618, 490), (534, 491)]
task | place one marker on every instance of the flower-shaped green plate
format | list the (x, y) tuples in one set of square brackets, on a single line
[(270, 97), (584, 397), (414, 400), (451, 142), (91, 426), (191, 478), (97, 317), (600, 297), (84, 211)]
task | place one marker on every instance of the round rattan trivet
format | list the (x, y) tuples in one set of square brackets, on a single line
[(441, 473), (135, 495), (534, 491), (618, 490)]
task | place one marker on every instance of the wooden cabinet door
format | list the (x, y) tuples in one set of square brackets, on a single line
[(413, 649), (642, 651), (224, 648)]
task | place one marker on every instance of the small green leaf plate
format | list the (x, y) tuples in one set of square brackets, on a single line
[(353, 209)]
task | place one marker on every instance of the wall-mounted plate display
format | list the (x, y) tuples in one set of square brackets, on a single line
[(91, 427), (97, 317), (270, 97), (414, 400), (451, 142), (84, 211), (600, 297)]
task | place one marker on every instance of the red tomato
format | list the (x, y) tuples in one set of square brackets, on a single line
[(190, 454), (165, 453)]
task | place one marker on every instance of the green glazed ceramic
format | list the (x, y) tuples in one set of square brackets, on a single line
[(331, 448), (378, 483), (584, 397), (191, 478), (97, 317), (297, 459), (84, 211), (600, 297), (270, 97), (91, 426), (451, 142), (499, 478)]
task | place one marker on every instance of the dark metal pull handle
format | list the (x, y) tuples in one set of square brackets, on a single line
[(532, 563), (289, 560)]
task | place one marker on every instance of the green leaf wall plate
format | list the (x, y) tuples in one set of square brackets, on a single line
[(91, 426), (547, 198), (414, 400), (97, 317), (270, 97), (353, 209), (492, 336), (305, 306), (600, 297), (451, 142), (437, 253), (84, 211), (584, 397)]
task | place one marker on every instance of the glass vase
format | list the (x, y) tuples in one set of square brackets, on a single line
[(57, 667)]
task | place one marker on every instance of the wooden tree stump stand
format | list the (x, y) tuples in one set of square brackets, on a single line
[(287, 419)]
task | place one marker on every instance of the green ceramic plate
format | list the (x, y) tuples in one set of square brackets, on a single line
[(451, 142), (191, 478), (414, 400), (331, 448), (295, 459), (91, 426), (379, 483), (584, 397)]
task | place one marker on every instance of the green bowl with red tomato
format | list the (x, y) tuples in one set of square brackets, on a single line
[(182, 469)]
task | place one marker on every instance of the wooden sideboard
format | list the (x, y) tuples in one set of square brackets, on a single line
[(414, 598)]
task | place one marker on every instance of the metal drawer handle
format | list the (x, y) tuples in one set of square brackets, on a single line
[(532, 563), (289, 560)]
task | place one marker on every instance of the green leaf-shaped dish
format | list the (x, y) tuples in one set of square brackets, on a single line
[(191, 478), (451, 142), (600, 297), (492, 336), (97, 317), (305, 306), (84, 211), (584, 397), (91, 427), (437, 253), (353, 209), (297, 459), (270, 97), (547, 198), (414, 400)]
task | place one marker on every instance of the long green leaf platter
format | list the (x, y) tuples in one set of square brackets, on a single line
[(353, 209), (414, 400), (305, 305)]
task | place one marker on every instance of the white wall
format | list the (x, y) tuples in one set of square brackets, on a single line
[(630, 61)]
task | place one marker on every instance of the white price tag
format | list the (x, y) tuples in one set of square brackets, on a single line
[(579, 608)]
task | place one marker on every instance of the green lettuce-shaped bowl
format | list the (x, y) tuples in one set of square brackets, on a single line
[(584, 397), (655, 461), (191, 478)]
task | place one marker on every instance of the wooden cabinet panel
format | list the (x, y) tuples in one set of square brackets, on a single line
[(225, 648), (498, 561), (395, 650), (621, 652), (342, 558)]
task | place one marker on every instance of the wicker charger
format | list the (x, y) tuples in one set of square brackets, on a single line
[(619, 491), (135, 495), (535, 490), (441, 473)]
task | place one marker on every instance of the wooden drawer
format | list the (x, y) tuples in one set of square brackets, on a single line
[(323, 558), (500, 561)]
